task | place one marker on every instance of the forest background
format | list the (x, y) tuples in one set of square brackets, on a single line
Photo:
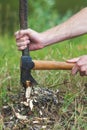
[(44, 13)]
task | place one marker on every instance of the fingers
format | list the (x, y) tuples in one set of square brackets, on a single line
[(74, 60), (21, 33), (75, 69), (28, 36), (83, 70), (26, 32), (80, 66), (83, 60), (22, 47), (22, 40)]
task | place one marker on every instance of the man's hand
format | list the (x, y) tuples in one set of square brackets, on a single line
[(31, 37), (80, 65)]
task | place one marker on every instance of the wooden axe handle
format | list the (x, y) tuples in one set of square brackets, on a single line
[(52, 65)]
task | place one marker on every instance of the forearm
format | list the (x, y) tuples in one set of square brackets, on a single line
[(75, 26)]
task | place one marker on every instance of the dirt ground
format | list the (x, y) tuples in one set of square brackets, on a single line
[(41, 112)]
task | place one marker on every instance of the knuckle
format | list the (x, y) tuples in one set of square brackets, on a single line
[(26, 42), (22, 48), (24, 39), (27, 37), (16, 33), (21, 31), (83, 68), (79, 63)]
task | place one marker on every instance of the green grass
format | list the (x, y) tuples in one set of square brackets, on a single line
[(75, 89)]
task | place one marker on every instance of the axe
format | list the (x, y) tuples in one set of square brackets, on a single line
[(27, 64)]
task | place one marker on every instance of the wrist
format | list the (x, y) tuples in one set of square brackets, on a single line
[(46, 38), (43, 39)]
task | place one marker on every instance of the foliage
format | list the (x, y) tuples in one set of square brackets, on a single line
[(46, 11), (73, 5), (62, 80), (43, 14)]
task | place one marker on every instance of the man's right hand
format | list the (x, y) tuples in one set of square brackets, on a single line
[(31, 37)]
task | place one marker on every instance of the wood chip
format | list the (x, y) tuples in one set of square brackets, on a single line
[(31, 104), (28, 92), (21, 117)]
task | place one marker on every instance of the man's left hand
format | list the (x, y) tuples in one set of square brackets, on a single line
[(80, 65)]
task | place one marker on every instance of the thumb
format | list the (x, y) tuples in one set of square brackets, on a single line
[(21, 33), (74, 60)]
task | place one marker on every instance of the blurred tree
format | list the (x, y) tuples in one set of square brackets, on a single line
[(42, 10), (74, 5)]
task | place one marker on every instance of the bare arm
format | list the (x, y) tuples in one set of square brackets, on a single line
[(75, 26)]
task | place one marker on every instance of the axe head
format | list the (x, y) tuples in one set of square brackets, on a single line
[(26, 66)]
